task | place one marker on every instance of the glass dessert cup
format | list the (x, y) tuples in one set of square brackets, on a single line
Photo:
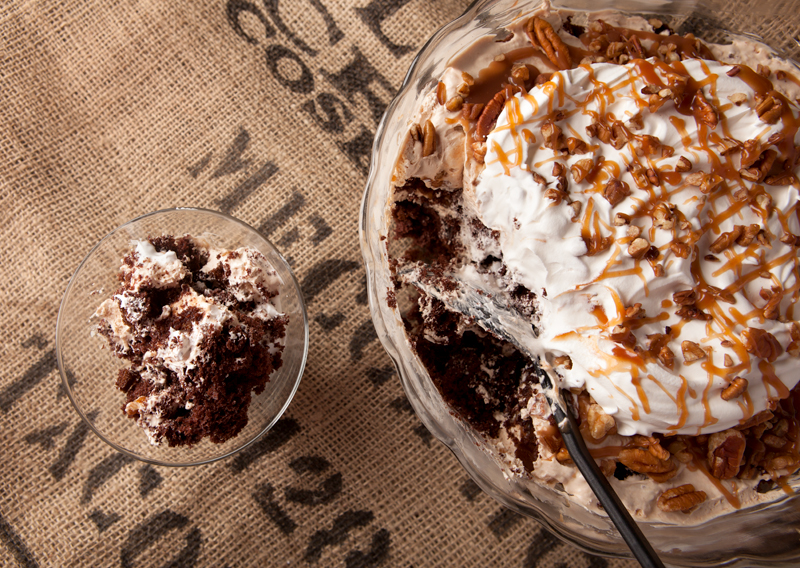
[(89, 368), (763, 535)]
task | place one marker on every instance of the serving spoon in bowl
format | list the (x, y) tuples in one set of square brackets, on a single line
[(460, 295)]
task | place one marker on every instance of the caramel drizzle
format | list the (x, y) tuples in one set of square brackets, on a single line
[(591, 223)]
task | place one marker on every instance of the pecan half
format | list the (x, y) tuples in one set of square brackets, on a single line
[(642, 461), (761, 343), (681, 498), (552, 45), (428, 139), (725, 453), (748, 235), (488, 117)]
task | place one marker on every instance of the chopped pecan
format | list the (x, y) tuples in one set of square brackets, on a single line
[(727, 360), (681, 498), (761, 343), (616, 191), (667, 357), (488, 117), (638, 248), (692, 313), (692, 351), (783, 178), (728, 146), (726, 240), (472, 111), (704, 111), (621, 219), (685, 297), (769, 109), (455, 103), (737, 98), (595, 244), (748, 235), (683, 165), (576, 146), (551, 133), (552, 45), (725, 453), (773, 307), (622, 334), (663, 217), (600, 423), (681, 250), (581, 169)]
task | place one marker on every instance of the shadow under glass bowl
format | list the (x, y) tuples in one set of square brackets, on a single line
[(89, 368), (765, 535)]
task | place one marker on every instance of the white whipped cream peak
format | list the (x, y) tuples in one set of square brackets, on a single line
[(583, 297)]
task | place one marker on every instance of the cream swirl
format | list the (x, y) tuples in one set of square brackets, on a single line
[(577, 248)]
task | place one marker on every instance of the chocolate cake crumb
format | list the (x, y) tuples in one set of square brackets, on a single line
[(201, 333)]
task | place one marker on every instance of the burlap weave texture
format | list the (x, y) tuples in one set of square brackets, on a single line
[(264, 110)]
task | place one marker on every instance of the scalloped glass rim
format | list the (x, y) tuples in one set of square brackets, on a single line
[(696, 545), (182, 457)]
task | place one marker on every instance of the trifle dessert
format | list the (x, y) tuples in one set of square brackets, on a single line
[(631, 194), (202, 330)]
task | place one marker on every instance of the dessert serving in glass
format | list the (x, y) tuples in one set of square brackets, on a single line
[(182, 337), (620, 188)]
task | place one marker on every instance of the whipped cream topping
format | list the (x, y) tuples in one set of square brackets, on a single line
[(587, 297)]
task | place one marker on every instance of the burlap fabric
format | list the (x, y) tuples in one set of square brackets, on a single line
[(264, 110)]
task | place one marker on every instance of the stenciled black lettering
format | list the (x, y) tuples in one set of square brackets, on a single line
[(103, 520), (359, 149), (334, 33), (275, 54), (149, 479), (197, 168), (46, 436), (247, 187), (503, 521), (375, 556), (379, 375), (362, 336), (232, 161), (282, 215), (145, 534), (358, 77), (71, 448), (469, 489), (234, 11), (375, 13), (542, 543), (337, 534), (29, 379), (323, 274), (16, 546), (329, 323), (327, 490), (102, 472), (321, 229), (289, 238), (265, 497), (281, 433), (335, 112)]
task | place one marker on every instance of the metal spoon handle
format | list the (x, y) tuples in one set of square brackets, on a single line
[(613, 506)]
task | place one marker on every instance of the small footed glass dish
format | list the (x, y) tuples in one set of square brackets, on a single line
[(89, 368), (761, 535)]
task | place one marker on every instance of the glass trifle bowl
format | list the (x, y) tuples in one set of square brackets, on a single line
[(761, 531), (208, 379)]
